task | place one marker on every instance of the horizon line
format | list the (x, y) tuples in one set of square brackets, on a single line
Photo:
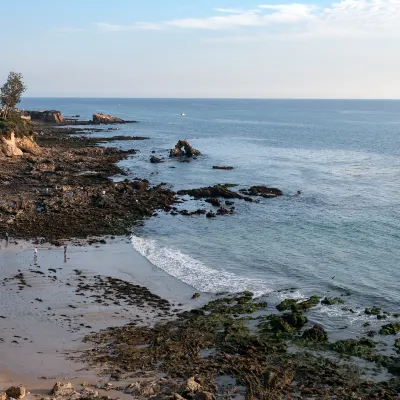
[(216, 98)]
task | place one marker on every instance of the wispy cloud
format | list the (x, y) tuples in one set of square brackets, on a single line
[(347, 18), (150, 26)]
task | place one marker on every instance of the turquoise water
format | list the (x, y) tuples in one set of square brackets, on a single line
[(344, 156)]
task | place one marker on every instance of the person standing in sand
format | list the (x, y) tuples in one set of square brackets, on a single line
[(35, 255)]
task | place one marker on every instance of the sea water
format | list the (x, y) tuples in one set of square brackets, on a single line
[(340, 236)]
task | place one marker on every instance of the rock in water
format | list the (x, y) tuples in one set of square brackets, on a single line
[(100, 118), (262, 191), (61, 389), (155, 160), (224, 167), (315, 334), (53, 116), (16, 392), (183, 148)]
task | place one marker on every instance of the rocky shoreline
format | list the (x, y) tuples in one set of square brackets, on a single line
[(232, 347)]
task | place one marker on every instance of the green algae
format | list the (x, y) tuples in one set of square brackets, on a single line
[(329, 301), (390, 329), (316, 334), (297, 305), (373, 311)]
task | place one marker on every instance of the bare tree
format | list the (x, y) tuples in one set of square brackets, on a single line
[(10, 93)]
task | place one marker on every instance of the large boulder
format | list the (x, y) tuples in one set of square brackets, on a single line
[(183, 148), (61, 389), (100, 118), (16, 392), (53, 116), (11, 146)]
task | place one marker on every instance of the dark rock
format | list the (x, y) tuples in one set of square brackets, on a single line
[(214, 191), (262, 191), (213, 201), (183, 148), (315, 334), (210, 214), (155, 160), (224, 168), (372, 311), (329, 301), (196, 295), (390, 329), (16, 392)]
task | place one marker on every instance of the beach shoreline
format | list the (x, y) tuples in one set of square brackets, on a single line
[(51, 338), (86, 309)]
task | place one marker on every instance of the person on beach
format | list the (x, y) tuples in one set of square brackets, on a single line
[(65, 253), (6, 235), (35, 255)]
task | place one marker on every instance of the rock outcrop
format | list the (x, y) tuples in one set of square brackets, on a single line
[(16, 392), (262, 191), (183, 148), (155, 160), (227, 168), (52, 116), (214, 191), (100, 118), (11, 146)]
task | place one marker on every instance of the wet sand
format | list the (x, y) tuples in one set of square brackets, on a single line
[(43, 318)]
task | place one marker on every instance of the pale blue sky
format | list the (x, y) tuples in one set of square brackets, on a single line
[(203, 48)]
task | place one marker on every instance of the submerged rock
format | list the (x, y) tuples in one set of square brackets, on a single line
[(329, 301), (262, 191), (214, 191), (315, 334), (372, 311), (213, 201), (223, 167), (155, 160), (390, 329), (183, 148)]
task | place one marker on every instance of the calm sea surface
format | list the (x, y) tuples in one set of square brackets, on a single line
[(342, 235)]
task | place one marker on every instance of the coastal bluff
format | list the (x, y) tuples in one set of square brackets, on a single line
[(52, 116), (17, 137)]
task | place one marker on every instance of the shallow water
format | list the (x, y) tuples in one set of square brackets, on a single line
[(341, 235)]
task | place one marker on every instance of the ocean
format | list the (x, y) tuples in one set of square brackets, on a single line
[(339, 237)]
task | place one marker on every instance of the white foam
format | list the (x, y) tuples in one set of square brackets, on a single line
[(194, 272)]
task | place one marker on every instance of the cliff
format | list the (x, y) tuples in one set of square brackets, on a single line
[(52, 116), (17, 137)]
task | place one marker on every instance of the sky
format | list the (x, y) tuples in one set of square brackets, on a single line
[(203, 48)]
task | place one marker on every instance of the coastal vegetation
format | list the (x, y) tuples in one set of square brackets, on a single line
[(10, 93)]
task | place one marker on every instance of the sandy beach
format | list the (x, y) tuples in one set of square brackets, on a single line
[(44, 320)]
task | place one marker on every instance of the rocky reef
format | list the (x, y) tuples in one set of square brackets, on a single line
[(183, 148), (100, 118), (214, 191), (52, 116), (233, 338)]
